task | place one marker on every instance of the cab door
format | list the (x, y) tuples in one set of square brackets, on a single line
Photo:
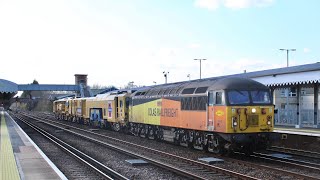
[(210, 111), (215, 100), (120, 107), (116, 108)]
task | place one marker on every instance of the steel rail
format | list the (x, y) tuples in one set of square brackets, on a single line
[(169, 167), (97, 166), (293, 162), (192, 161), (295, 152), (290, 173)]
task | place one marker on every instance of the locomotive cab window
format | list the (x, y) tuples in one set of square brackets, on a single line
[(260, 97), (121, 103), (216, 98), (238, 97), (127, 102)]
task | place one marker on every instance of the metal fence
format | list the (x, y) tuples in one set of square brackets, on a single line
[(307, 117), (289, 117), (286, 117)]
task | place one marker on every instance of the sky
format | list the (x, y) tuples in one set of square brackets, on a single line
[(119, 41)]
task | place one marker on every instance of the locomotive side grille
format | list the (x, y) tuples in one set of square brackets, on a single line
[(253, 120)]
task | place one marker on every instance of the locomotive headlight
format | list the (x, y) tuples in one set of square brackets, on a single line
[(269, 118), (234, 122), (253, 110)]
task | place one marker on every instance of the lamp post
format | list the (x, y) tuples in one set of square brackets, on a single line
[(287, 89), (131, 84), (200, 64), (165, 74), (287, 54)]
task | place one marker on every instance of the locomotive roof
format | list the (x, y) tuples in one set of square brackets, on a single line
[(201, 86), (237, 83)]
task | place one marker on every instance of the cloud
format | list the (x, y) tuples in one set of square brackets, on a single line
[(306, 50), (232, 4), (193, 45), (208, 4)]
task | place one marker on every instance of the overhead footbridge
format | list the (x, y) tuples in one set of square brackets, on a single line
[(48, 87), (8, 89)]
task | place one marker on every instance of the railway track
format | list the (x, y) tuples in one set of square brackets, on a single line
[(188, 168), (180, 164), (290, 161), (295, 152), (280, 165), (93, 164)]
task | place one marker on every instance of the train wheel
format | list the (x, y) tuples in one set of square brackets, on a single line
[(184, 139), (214, 145), (151, 132), (116, 127), (143, 131), (136, 131), (198, 141), (159, 134), (146, 127), (133, 129)]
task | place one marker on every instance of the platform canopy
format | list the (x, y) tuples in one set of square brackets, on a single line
[(8, 86), (287, 76)]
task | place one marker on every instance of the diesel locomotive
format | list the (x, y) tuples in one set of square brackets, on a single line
[(217, 115)]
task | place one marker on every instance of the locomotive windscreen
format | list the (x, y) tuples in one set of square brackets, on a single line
[(236, 97)]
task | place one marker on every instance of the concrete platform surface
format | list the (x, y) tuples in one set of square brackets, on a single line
[(31, 162), (298, 131)]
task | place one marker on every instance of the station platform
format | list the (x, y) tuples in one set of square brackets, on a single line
[(20, 157), (298, 131)]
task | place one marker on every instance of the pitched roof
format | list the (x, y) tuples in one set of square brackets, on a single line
[(8, 86)]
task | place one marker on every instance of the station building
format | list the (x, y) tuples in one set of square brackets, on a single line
[(295, 94)]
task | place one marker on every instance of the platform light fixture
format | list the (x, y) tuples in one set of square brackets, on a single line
[(287, 54), (131, 84), (165, 74), (200, 64)]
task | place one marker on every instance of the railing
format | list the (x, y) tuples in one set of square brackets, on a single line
[(286, 117), (289, 117), (307, 117)]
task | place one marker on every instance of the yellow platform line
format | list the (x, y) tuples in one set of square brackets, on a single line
[(8, 166)]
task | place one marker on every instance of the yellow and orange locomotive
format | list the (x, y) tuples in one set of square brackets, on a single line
[(217, 115)]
